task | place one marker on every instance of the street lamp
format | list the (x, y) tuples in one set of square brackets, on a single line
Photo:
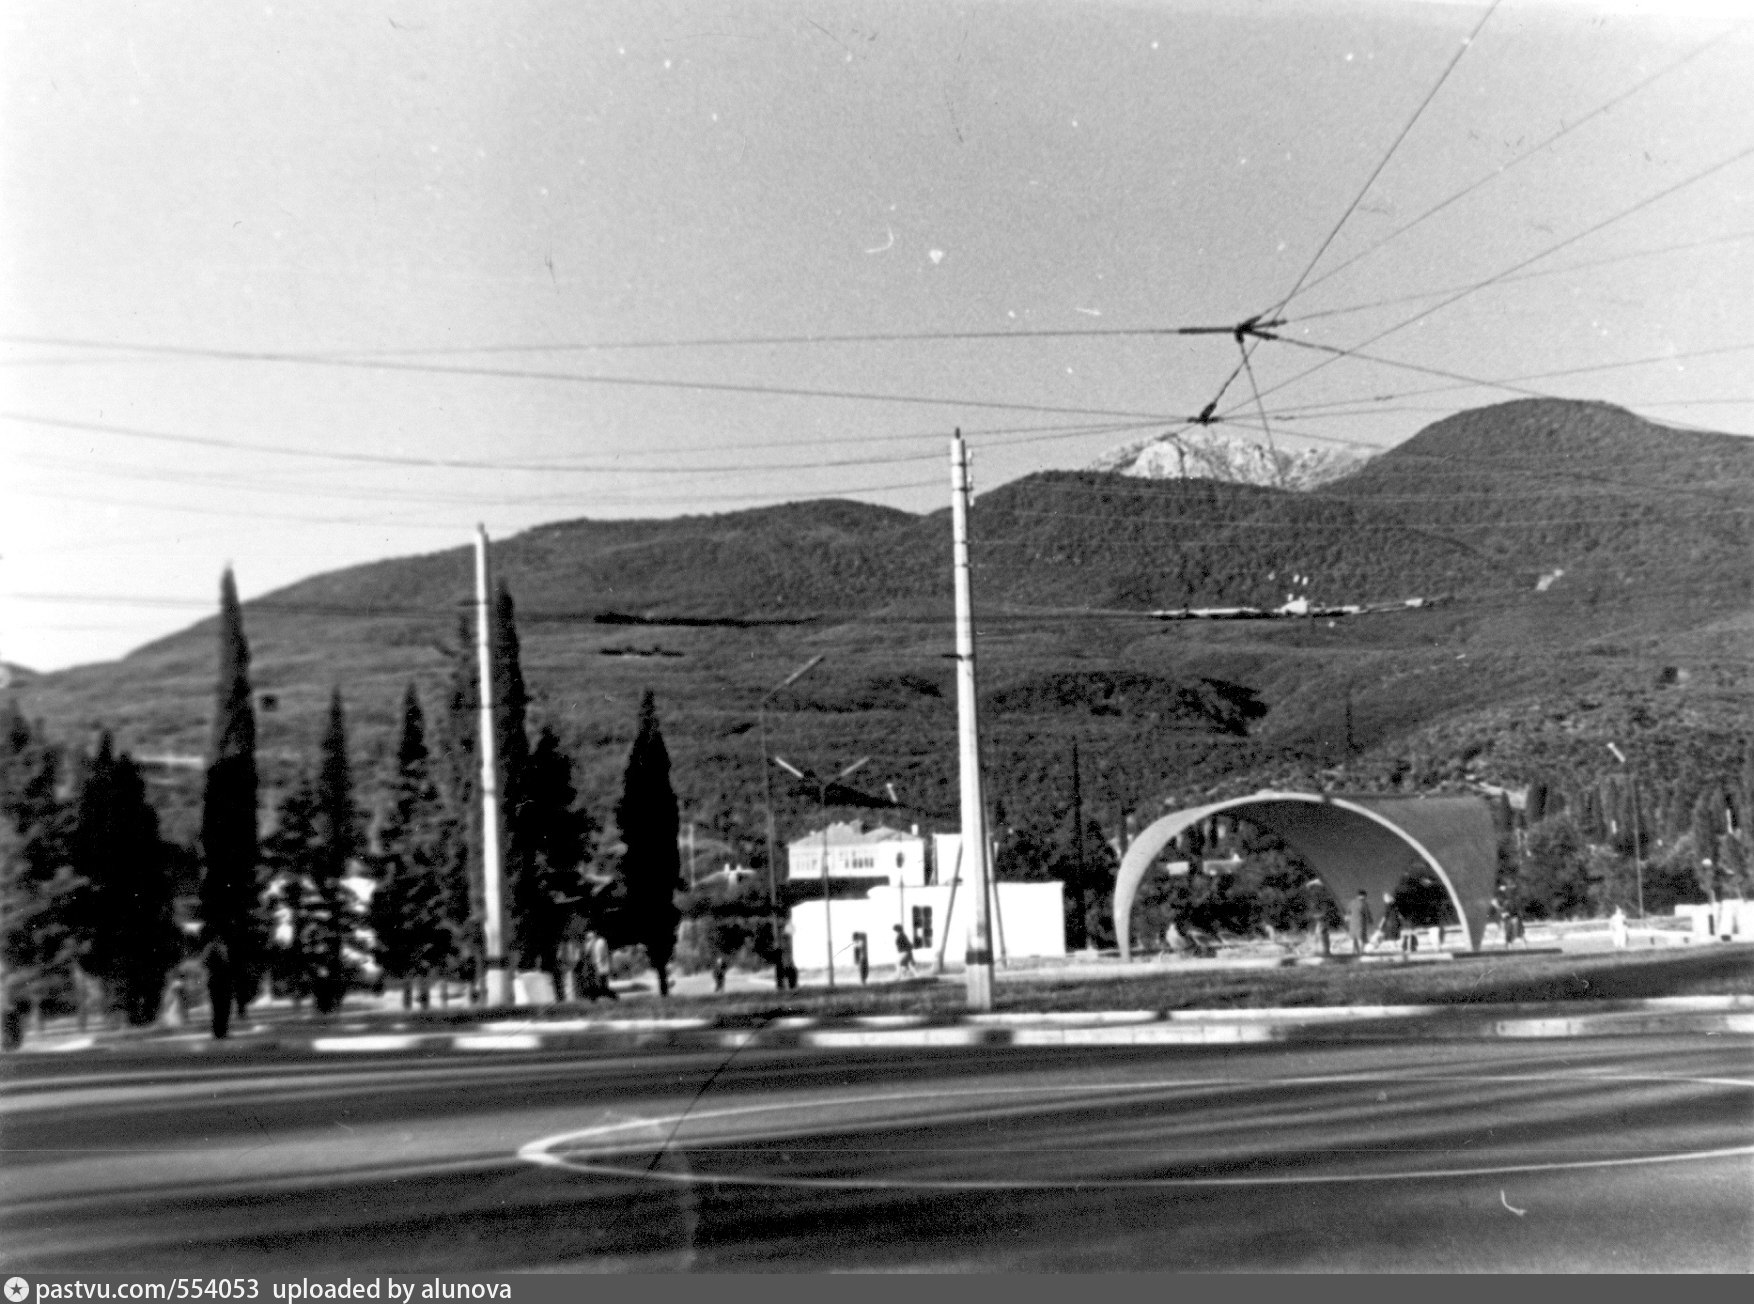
[(773, 900), (822, 813), (1637, 839)]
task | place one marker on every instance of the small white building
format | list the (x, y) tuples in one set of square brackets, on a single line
[(932, 905), (857, 851)]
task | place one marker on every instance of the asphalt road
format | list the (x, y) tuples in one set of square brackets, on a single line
[(1628, 1153)]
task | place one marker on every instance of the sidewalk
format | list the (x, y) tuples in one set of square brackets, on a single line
[(508, 1033)]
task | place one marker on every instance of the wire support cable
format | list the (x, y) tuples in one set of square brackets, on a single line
[(1384, 162), (1503, 168)]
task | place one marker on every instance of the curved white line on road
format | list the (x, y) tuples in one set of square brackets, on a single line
[(543, 1150)]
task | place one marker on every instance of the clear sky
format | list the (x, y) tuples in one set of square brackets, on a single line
[(299, 285)]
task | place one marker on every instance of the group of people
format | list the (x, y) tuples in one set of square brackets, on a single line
[(1391, 929)]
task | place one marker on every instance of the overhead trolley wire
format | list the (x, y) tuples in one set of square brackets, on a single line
[(1563, 131), (1490, 281), (1384, 162), (1527, 276)]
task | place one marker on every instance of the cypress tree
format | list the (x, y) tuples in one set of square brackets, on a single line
[(460, 784), (287, 853), (126, 903), (333, 913), (522, 894), (229, 890), (651, 867), (555, 835), (411, 910)]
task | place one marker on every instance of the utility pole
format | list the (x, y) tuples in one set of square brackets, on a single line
[(979, 959), (773, 899), (496, 988), (810, 776), (1637, 830)]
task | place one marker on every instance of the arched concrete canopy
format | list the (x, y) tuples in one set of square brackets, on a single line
[(1351, 843)]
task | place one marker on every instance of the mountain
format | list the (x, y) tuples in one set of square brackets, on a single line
[(1593, 566), (1208, 454)]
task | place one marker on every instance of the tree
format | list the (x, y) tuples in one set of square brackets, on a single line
[(1707, 826), (230, 893), (126, 906), (37, 885), (1554, 881), (511, 757), (287, 853), (651, 865), (554, 835), (412, 914), (332, 914)]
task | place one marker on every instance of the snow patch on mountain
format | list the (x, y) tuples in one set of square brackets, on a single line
[(1206, 454)]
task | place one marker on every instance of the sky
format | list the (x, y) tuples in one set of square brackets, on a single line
[(290, 287)]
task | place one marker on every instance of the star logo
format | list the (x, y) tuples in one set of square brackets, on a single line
[(17, 1289)]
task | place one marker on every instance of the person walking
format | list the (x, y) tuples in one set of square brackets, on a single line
[(904, 955), (862, 957), (600, 962), (1391, 928), (1358, 921)]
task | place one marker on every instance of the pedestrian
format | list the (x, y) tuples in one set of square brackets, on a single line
[(719, 967), (904, 955), (1617, 931), (862, 957), (1390, 929), (600, 962), (1358, 921)]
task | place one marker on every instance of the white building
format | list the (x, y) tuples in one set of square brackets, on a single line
[(855, 851), (931, 903)]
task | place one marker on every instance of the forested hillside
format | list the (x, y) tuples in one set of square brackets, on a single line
[(1593, 569)]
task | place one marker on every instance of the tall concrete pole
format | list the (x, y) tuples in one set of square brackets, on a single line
[(497, 987), (974, 822)]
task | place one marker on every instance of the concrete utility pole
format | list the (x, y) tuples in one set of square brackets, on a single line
[(810, 776), (1637, 829), (979, 956), (496, 987), (773, 899)]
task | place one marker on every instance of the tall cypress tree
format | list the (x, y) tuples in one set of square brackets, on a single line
[(333, 913), (651, 867), (229, 891), (125, 910), (287, 854), (411, 909), (556, 835), (459, 776), (511, 708)]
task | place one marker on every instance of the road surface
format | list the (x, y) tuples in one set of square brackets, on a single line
[(1625, 1153)]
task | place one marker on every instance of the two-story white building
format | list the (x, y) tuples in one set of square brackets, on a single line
[(928, 897)]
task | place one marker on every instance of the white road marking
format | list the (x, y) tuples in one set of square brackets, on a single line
[(602, 1142)]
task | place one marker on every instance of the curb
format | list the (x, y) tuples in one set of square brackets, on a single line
[(1702, 1015)]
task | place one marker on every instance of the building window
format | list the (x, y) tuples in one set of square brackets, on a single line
[(923, 927)]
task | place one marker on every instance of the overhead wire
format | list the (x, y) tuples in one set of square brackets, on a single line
[(1563, 131), (1377, 171), (1490, 281), (1588, 265)]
